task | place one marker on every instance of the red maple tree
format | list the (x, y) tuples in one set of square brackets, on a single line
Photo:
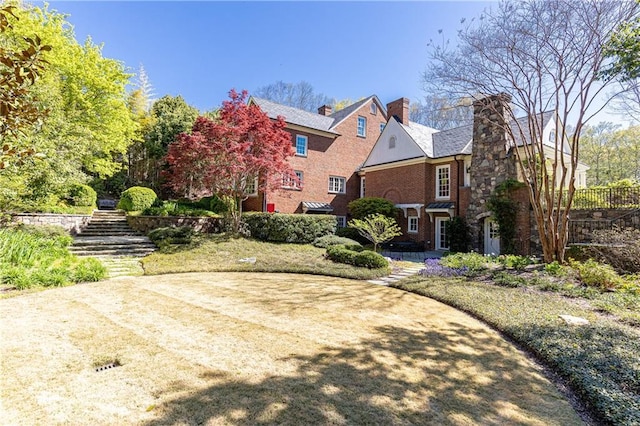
[(241, 152)]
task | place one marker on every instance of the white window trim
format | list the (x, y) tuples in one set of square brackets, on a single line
[(409, 220), (373, 108), (438, 196), (255, 188), (293, 185), (364, 128), (363, 186), (382, 126), (343, 220), (306, 145), (439, 223), (344, 185)]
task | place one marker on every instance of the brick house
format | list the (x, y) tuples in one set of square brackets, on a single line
[(432, 176), (330, 147)]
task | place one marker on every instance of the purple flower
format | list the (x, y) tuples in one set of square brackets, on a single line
[(433, 268)]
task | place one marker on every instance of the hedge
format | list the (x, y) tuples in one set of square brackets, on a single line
[(355, 255), (138, 198), (289, 228)]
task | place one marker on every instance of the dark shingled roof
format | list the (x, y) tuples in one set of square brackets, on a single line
[(296, 116), (458, 140), (315, 206)]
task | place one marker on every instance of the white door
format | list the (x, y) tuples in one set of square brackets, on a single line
[(441, 233), (491, 237)]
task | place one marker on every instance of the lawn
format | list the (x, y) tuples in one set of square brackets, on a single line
[(599, 361), (246, 348), (219, 253)]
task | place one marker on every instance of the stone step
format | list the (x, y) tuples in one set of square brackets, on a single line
[(114, 253), (123, 233), (106, 247)]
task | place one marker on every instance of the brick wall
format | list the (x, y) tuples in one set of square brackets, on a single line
[(326, 157)]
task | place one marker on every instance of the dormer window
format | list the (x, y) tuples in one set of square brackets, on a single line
[(374, 108)]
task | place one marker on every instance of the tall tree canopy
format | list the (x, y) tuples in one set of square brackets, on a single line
[(612, 153), (241, 153), (88, 126), (299, 95), (545, 55), (441, 113)]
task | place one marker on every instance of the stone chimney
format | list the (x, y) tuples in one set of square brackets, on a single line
[(399, 109), (325, 110)]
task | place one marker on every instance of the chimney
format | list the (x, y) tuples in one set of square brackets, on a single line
[(489, 119), (399, 109), (325, 110)]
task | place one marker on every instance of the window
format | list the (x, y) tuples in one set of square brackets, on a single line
[(301, 145), (382, 126), (251, 188), (467, 172), (362, 187), (442, 182), (441, 233), (392, 142), (291, 183), (336, 185), (362, 126), (342, 221), (412, 225), (374, 108)]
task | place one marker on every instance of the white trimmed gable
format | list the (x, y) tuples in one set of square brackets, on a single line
[(386, 150)]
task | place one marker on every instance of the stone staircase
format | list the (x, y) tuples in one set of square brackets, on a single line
[(109, 238)]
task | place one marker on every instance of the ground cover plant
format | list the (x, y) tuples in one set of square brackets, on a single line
[(598, 360), (220, 252), (39, 256)]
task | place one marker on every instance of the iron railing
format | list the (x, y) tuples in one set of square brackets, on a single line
[(606, 198)]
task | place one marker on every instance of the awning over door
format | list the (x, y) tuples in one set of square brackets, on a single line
[(433, 208), (314, 207)]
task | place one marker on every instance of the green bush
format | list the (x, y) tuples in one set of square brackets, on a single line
[(289, 228), (138, 198), (355, 255), (332, 240), (555, 269), (213, 203), (352, 234), (81, 195), (598, 275), (370, 259), (89, 270), (363, 207), (515, 261), (173, 208), (474, 262), (458, 235)]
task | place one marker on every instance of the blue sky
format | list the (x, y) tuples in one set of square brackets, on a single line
[(201, 50)]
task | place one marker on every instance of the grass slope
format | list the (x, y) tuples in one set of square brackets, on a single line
[(216, 253)]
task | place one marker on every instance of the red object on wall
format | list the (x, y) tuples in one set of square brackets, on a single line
[(271, 207)]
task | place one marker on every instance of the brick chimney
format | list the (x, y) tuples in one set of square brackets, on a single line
[(325, 110), (399, 109)]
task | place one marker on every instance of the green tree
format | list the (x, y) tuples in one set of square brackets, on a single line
[(376, 228), (170, 116), (611, 153), (88, 126), (624, 49), (537, 56)]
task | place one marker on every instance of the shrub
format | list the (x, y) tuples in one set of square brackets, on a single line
[(289, 228), (352, 234), (515, 261), (618, 248), (376, 228), (370, 259), (332, 240), (474, 262), (89, 270), (555, 269), (598, 275), (81, 195), (213, 203), (363, 207), (458, 235), (170, 235), (138, 198), (341, 254)]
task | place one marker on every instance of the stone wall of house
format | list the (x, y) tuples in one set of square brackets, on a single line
[(73, 223), (584, 222), (144, 224), (490, 161)]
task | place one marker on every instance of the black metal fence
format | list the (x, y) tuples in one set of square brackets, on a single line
[(607, 198)]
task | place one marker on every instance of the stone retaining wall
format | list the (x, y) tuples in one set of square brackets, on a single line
[(144, 224), (74, 223)]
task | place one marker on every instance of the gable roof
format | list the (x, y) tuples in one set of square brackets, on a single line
[(313, 120), (422, 135), (340, 116), (295, 115)]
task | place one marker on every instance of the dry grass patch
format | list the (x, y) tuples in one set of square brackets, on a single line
[(232, 348)]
